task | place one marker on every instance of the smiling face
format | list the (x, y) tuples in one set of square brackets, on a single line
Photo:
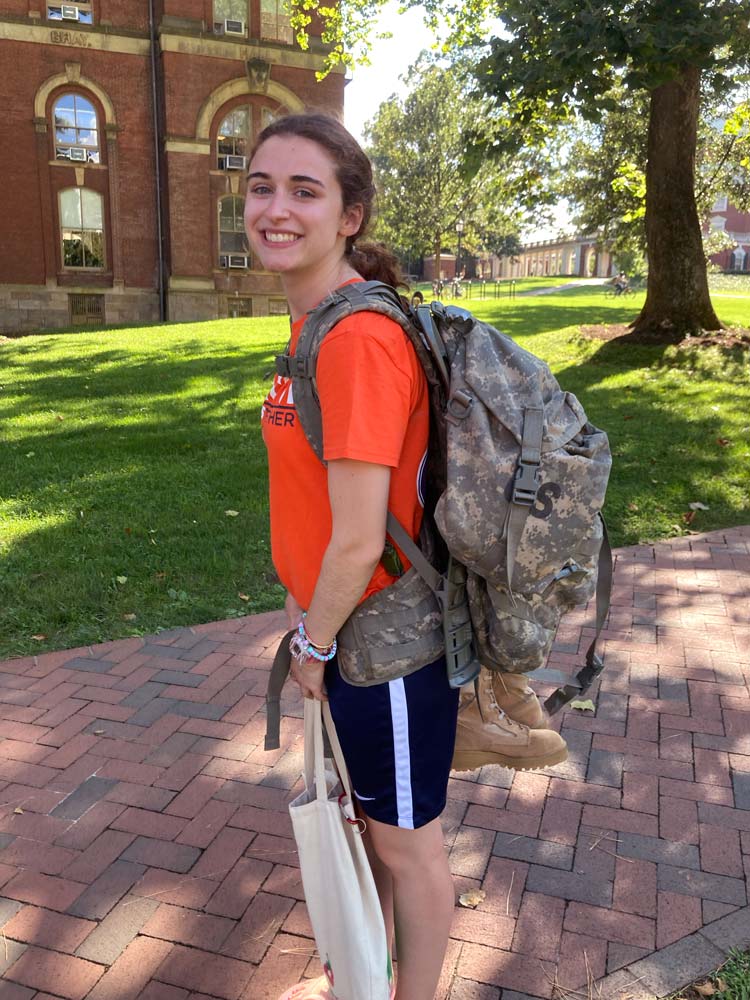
[(294, 215)]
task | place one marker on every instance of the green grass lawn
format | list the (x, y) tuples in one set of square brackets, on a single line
[(731, 981), (124, 449)]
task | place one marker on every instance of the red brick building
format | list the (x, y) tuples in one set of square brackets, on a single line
[(727, 218), (124, 132)]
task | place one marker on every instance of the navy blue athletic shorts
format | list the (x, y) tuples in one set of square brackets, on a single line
[(398, 740)]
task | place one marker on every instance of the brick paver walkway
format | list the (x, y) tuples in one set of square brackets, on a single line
[(145, 846)]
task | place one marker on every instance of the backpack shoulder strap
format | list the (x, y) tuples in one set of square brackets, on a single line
[(360, 296)]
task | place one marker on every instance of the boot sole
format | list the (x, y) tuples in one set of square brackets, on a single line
[(470, 760)]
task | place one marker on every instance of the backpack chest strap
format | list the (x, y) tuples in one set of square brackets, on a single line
[(294, 366)]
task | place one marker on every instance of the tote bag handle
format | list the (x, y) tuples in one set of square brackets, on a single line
[(316, 713)]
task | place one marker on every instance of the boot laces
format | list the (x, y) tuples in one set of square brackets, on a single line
[(511, 723)]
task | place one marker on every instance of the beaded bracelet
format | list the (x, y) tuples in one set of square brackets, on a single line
[(322, 649), (300, 647)]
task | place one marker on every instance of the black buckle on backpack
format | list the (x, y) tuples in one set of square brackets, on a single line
[(526, 483), (289, 366)]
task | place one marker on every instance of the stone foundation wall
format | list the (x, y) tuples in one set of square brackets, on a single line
[(191, 306), (195, 306), (35, 309)]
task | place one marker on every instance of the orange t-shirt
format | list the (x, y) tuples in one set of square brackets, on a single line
[(374, 405)]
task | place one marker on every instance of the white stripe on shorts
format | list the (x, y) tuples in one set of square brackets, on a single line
[(402, 753)]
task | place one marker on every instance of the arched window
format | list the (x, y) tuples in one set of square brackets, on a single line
[(230, 17), (233, 250), (232, 140), (76, 131), (82, 228), (237, 131)]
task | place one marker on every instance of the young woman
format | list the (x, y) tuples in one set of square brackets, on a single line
[(310, 196)]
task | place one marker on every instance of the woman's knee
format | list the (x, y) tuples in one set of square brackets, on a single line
[(403, 850)]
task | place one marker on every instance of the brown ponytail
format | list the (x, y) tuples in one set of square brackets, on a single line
[(375, 262), (354, 173)]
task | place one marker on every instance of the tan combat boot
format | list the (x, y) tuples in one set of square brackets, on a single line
[(486, 735), (514, 697)]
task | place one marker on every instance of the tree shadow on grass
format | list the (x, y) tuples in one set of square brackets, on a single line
[(529, 317), (134, 482), (136, 523), (670, 447), (106, 377)]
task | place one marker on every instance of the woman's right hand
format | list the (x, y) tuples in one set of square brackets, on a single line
[(310, 676)]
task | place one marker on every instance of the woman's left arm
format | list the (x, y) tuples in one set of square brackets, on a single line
[(358, 495)]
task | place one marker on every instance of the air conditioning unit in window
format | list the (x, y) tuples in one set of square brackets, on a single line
[(233, 260), (235, 162), (78, 153), (234, 28), (70, 13)]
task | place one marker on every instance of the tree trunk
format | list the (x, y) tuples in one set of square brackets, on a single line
[(677, 301)]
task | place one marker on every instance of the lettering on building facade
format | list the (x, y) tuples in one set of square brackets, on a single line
[(70, 38)]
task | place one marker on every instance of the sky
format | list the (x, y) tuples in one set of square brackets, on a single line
[(390, 58)]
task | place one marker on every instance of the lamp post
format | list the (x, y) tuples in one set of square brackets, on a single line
[(459, 231)]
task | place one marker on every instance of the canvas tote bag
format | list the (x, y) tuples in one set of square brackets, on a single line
[(339, 888)]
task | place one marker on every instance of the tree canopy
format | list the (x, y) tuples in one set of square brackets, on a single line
[(588, 49), (429, 179)]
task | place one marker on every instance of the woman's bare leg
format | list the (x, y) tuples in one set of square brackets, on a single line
[(423, 900), (384, 885)]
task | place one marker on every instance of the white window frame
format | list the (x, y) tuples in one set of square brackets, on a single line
[(238, 227), (83, 229), (230, 10), (275, 24)]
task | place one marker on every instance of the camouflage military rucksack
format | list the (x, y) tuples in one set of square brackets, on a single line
[(512, 534)]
